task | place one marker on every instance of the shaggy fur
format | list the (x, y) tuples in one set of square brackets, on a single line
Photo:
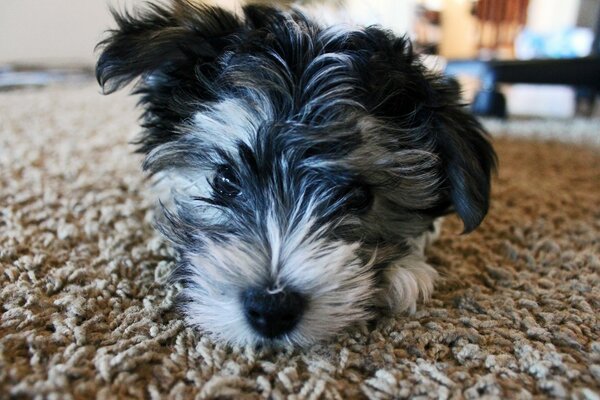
[(301, 163)]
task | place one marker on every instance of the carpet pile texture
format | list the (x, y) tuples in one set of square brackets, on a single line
[(85, 312)]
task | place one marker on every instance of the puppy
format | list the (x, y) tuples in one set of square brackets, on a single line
[(305, 166)]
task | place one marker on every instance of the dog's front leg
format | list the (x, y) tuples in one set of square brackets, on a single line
[(405, 281), (410, 278)]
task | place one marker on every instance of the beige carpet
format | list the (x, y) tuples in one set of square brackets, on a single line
[(84, 312)]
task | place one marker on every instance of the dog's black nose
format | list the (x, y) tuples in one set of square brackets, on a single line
[(273, 314)]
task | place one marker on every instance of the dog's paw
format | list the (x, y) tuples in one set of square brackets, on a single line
[(405, 282)]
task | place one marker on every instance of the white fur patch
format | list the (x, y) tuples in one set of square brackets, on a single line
[(231, 121), (411, 278), (405, 282), (169, 184)]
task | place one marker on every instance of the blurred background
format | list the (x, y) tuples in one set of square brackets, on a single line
[(513, 57)]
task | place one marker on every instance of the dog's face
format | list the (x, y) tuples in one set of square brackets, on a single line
[(302, 164)]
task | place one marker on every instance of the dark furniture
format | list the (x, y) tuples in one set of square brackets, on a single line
[(583, 73)]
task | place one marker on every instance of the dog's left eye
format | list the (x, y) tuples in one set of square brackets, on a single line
[(225, 182)]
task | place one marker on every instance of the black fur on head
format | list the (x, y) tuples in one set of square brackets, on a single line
[(334, 142)]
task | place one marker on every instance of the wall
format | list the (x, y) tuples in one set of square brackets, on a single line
[(53, 31), (551, 15), (59, 32), (66, 31)]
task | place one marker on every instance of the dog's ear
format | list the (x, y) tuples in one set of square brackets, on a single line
[(174, 50), (162, 42), (403, 90), (467, 159)]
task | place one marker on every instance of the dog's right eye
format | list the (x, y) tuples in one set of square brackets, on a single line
[(225, 182)]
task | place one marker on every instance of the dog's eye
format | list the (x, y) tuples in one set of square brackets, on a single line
[(359, 199), (225, 183)]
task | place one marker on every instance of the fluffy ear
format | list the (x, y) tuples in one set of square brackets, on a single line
[(468, 160), (402, 90), (173, 49), (162, 39)]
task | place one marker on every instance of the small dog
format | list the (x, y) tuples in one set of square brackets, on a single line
[(305, 166)]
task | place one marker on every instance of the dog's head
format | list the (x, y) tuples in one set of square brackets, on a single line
[(302, 162)]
